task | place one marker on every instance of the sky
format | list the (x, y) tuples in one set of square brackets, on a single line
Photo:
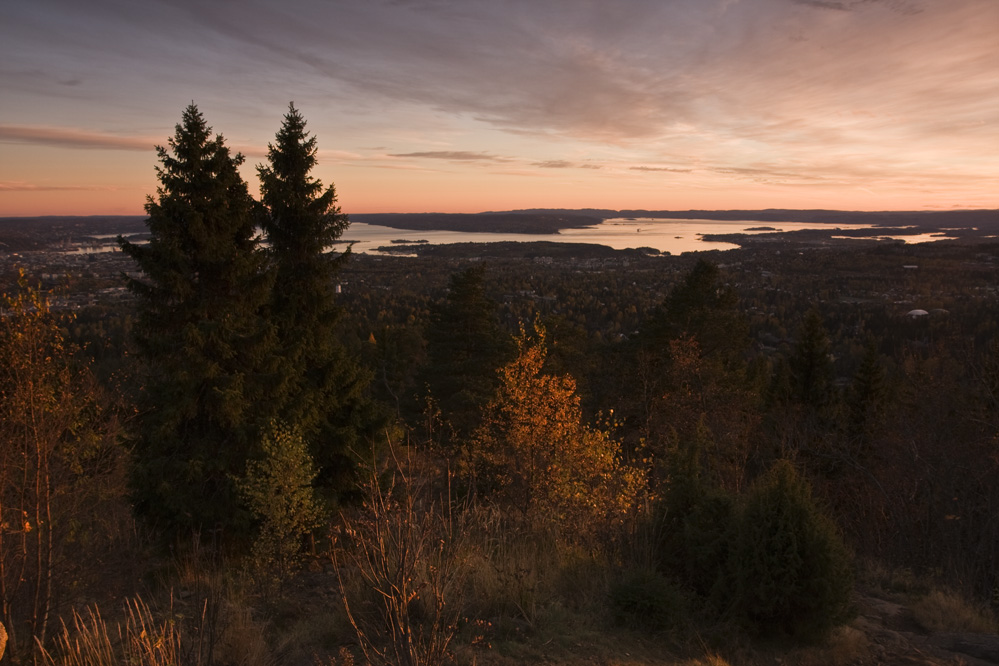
[(476, 105)]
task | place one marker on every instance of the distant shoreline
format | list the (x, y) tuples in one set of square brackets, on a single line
[(15, 229)]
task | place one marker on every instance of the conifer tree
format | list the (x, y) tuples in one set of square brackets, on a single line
[(199, 332), (704, 308), (317, 388), (792, 569), (866, 399), (811, 367), (465, 345)]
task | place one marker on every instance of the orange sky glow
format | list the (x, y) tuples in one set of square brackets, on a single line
[(437, 105)]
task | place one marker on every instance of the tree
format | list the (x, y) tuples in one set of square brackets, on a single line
[(465, 345), (811, 366), (200, 334), (866, 399), (703, 308), (689, 377), (792, 569), (535, 454), (317, 388), (53, 433), (278, 490)]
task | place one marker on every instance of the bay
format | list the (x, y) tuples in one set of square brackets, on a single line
[(665, 235)]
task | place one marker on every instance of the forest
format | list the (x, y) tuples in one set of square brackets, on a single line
[(487, 454)]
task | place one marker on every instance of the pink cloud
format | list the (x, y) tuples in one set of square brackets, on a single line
[(62, 137)]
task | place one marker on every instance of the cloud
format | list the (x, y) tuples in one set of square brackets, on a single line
[(453, 156), (837, 93), (669, 169), (33, 187), (554, 164), (62, 137), (900, 6), (824, 4)]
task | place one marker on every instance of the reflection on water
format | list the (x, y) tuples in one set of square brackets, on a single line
[(911, 238), (673, 236)]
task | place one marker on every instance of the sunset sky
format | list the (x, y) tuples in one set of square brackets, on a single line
[(474, 105)]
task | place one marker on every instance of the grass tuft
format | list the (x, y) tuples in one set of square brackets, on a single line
[(943, 611)]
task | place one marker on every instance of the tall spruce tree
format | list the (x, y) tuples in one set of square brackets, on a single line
[(199, 331), (317, 388), (465, 346)]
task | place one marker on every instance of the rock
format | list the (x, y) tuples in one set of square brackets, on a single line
[(980, 646)]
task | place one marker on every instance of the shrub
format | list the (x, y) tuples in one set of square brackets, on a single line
[(791, 568), (278, 489), (707, 538), (697, 522), (400, 565)]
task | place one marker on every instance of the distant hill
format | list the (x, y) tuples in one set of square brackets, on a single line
[(513, 222), (931, 219)]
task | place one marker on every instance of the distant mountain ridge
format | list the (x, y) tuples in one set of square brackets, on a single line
[(963, 218)]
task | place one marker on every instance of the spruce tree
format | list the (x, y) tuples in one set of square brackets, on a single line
[(704, 308), (317, 387), (811, 366), (199, 333), (465, 346), (792, 570)]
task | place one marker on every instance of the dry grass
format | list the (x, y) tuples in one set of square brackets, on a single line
[(886, 580), (206, 616), (942, 611), (87, 641)]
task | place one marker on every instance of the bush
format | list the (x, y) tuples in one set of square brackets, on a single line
[(791, 568), (647, 599), (707, 537), (697, 524), (278, 489)]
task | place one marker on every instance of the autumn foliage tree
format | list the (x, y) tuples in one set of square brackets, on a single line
[(53, 434), (534, 453)]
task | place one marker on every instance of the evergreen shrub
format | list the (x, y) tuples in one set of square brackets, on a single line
[(708, 532), (791, 568)]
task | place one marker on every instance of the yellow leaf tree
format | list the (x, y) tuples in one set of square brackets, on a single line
[(533, 452), (51, 427)]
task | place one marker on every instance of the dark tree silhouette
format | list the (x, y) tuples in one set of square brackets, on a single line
[(811, 366), (316, 387), (199, 333), (465, 347)]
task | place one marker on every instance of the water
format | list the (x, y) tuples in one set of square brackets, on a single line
[(673, 236)]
